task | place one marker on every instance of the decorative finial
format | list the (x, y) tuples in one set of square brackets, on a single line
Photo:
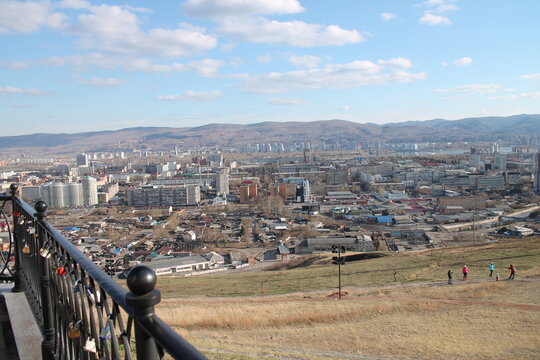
[(141, 280)]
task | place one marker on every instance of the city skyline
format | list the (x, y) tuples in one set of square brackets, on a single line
[(73, 65)]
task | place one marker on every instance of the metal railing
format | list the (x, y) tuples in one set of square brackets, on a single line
[(81, 312)]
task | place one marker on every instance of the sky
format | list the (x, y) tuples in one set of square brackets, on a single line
[(77, 65)]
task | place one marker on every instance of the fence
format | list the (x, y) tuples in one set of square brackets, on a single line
[(81, 312)]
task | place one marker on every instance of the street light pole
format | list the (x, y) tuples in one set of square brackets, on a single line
[(339, 273), (474, 227), (338, 261)]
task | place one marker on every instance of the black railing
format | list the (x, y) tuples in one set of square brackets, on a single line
[(81, 312)]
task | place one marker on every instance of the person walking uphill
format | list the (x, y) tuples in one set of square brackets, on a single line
[(465, 272), (450, 276), (512, 269), (491, 269)]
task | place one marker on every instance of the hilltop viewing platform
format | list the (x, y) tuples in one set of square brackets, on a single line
[(61, 305)]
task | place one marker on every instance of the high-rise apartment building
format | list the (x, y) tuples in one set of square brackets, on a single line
[(82, 160), (248, 193), (475, 160), (222, 182), (537, 173), (499, 162)]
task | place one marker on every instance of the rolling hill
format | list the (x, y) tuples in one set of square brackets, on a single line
[(437, 130)]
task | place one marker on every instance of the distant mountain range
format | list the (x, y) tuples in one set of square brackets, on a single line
[(437, 130)]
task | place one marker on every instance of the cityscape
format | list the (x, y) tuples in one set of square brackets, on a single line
[(269, 179), (199, 212)]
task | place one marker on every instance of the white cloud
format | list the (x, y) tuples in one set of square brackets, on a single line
[(433, 10), (433, 20), (115, 30), (235, 8), (473, 88), (345, 108), (205, 67), (334, 76), (387, 16), (305, 61), (20, 106), (293, 33), (73, 4), (530, 76), (464, 61), (287, 101), (266, 58), (439, 6), (15, 65), (534, 95), (397, 62), (530, 95), (100, 82), (194, 96), (10, 90), (26, 17)]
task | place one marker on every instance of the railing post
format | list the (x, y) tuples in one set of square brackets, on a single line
[(16, 248), (48, 344), (142, 298)]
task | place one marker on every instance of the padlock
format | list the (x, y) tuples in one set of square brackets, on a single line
[(105, 333), (94, 297), (61, 271), (31, 230), (16, 214), (90, 345), (44, 253), (26, 249), (21, 220), (76, 286), (121, 337), (74, 330)]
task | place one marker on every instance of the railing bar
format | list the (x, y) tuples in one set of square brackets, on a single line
[(85, 326), (64, 304), (115, 353), (70, 306), (125, 338), (93, 330), (99, 313)]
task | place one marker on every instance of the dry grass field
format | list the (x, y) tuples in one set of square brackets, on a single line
[(427, 265), (419, 317)]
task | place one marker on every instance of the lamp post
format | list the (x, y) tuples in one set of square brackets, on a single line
[(338, 260), (473, 227)]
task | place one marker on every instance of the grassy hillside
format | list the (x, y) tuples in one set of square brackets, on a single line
[(419, 317), (429, 265)]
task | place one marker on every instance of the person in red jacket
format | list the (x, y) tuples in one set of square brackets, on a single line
[(512, 269), (465, 272)]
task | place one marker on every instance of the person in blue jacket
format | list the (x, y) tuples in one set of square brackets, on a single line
[(491, 269)]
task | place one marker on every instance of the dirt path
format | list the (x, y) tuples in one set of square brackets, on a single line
[(284, 353), (322, 295)]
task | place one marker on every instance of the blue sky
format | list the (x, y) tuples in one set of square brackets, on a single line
[(76, 65)]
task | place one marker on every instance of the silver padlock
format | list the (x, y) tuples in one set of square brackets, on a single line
[(105, 333), (90, 345)]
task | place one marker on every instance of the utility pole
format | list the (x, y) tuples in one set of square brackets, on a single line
[(338, 260), (473, 227)]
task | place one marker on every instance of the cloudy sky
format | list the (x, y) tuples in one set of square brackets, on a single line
[(77, 65)]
